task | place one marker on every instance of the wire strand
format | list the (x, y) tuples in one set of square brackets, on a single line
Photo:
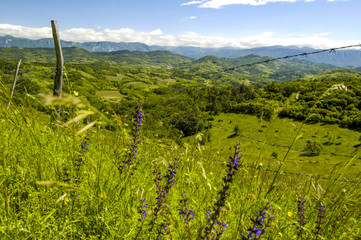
[(305, 54)]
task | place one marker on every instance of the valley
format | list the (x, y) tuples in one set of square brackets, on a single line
[(147, 130)]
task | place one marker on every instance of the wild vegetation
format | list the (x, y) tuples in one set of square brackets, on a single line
[(337, 58), (154, 153)]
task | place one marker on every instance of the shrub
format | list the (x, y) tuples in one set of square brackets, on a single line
[(313, 148)]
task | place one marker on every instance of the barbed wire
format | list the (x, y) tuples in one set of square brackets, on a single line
[(241, 135), (253, 167), (258, 140), (305, 54)]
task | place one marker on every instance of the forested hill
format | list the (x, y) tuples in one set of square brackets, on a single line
[(78, 55), (275, 71), (207, 68), (339, 58)]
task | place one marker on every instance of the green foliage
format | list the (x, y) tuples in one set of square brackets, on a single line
[(313, 148), (99, 202), (186, 114)]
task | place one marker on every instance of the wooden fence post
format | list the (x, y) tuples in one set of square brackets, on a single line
[(14, 83), (58, 81)]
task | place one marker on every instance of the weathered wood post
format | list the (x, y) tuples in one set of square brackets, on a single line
[(14, 83), (58, 81)]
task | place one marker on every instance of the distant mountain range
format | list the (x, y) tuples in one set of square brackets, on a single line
[(339, 58)]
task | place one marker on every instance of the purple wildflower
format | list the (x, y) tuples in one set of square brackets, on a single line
[(157, 179), (162, 208), (170, 175), (142, 209), (218, 234), (233, 166), (137, 123), (301, 216), (79, 162), (321, 216), (259, 227), (208, 215), (188, 214), (133, 146), (67, 178)]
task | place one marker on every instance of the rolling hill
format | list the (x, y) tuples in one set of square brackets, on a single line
[(338, 58)]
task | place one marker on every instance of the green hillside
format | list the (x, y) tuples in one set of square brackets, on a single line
[(114, 170), (208, 68), (275, 71), (78, 55)]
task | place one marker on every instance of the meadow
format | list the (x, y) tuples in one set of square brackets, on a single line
[(93, 175)]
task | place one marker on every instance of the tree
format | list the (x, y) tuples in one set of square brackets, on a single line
[(313, 148)]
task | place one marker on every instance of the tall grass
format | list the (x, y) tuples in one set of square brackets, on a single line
[(64, 182)]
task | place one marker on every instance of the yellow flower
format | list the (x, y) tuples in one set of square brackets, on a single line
[(211, 173), (290, 214), (281, 235)]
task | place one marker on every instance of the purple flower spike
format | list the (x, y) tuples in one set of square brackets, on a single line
[(212, 218), (162, 191), (133, 146), (301, 216), (188, 214), (259, 226), (321, 216), (142, 209), (208, 215)]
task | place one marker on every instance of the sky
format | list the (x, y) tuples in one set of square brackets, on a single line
[(200, 23)]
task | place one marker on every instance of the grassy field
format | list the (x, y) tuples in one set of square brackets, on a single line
[(109, 94), (67, 181), (277, 135)]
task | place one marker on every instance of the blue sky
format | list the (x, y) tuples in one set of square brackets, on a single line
[(201, 23)]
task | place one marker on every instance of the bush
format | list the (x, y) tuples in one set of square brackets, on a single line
[(313, 148)]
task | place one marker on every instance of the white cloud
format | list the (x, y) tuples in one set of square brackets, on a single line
[(157, 37), (26, 32), (323, 34), (221, 3), (192, 3)]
